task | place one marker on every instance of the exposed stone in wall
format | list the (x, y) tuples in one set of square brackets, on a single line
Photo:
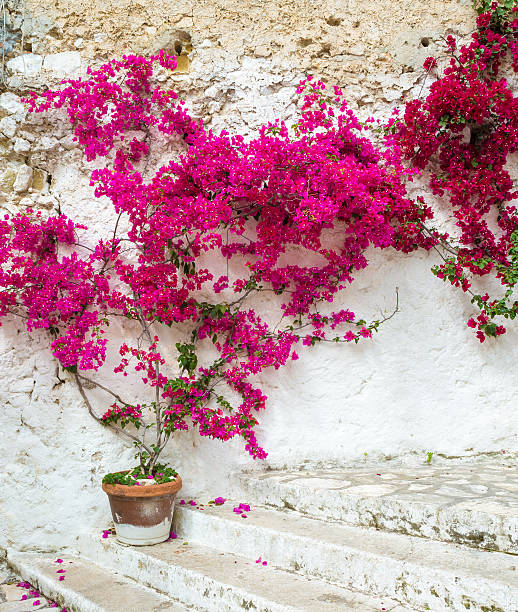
[(423, 384), (239, 60)]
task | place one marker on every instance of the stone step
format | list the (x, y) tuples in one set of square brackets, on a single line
[(17, 598), (216, 581), (87, 587), (419, 573), (24, 606), (473, 504)]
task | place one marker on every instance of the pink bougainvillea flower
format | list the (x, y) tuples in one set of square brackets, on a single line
[(219, 501), (60, 571), (198, 205), (182, 502), (58, 561), (62, 577), (36, 602), (265, 562), (193, 206), (172, 535), (258, 560), (243, 516), (106, 533), (24, 585), (34, 593), (23, 597), (192, 502)]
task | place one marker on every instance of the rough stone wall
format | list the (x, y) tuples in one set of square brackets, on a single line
[(423, 384)]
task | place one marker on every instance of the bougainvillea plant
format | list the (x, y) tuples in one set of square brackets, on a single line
[(464, 133), (288, 214), (201, 241)]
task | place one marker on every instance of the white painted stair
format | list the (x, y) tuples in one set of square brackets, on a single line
[(86, 587), (475, 504), (421, 574), (212, 580), (177, 576), (360, 540)]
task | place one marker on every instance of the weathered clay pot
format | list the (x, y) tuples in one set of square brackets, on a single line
[(142, 515)]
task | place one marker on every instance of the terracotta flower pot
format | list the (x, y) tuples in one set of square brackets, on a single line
[(142, 514)]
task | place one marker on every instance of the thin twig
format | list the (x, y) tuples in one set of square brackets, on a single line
[(99, 420), (93, 382), (158, 416)]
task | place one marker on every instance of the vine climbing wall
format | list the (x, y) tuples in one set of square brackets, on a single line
[(423, 384)]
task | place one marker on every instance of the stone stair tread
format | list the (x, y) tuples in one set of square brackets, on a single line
[(12, 592), (87, 587), (494, 566), (23, 606), (228, 581), (475, 504), (421, 573)]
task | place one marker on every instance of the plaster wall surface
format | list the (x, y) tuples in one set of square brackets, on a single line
[(424, 383)]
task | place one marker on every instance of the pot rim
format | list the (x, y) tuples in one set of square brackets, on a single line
[(155, 490)]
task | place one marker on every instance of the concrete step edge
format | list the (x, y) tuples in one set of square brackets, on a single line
[(475, 526), (226, 582), (119, 594), (414, 571)]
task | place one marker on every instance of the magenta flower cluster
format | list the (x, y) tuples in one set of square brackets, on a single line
[(290, 214), (248, 204), (464, 133)]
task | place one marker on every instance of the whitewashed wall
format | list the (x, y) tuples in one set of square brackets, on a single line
[(424, 383)]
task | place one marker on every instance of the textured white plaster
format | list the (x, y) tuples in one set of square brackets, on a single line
[(424, 383)]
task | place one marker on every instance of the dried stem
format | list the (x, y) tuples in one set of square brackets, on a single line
[(77, 378), (158, 417)]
